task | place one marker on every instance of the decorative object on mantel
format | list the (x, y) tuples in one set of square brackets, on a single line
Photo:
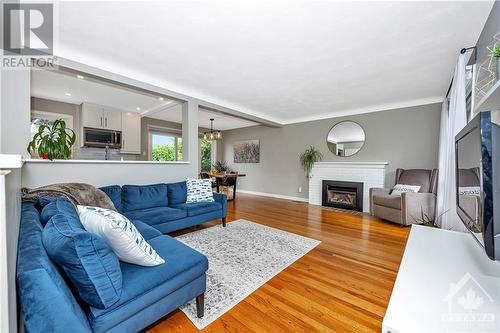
[(308, 158), (345, 138), (247, 151), (487, 74), (53, 141), (213, 134)]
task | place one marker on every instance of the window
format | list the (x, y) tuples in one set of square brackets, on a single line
[(165, 147), (207, 152)]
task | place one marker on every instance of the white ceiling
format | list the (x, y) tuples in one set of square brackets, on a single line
[(285, 61), (56, 86)]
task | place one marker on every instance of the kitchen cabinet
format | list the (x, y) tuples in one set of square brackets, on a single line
[(131, 133), (97, 116)]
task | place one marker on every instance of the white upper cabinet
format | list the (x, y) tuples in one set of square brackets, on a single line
[(92, 116), (112, 119), (97, 116), (131, 133)]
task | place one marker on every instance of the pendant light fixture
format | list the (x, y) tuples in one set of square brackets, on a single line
[(213, 134)]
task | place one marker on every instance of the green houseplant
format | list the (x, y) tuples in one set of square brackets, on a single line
[(427, 220), (495, 54), (307, 159), (221, 167), (53, 141)]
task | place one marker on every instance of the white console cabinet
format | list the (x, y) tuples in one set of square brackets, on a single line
[(445, 283)]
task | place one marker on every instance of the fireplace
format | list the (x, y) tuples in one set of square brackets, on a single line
[(345, 195)]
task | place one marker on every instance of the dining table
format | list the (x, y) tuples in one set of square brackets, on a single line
[(220, 179)]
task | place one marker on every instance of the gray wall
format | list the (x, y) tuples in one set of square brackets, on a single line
[(406, 138), (491, 28)]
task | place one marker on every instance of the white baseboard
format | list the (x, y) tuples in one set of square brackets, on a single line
[(272, 195)]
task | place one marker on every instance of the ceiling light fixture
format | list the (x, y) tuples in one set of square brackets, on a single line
[(161, 98), (67, 94), (213, 134), (81, 77), (138, 108)]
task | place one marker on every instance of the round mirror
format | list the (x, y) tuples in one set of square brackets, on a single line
[(345, 138)]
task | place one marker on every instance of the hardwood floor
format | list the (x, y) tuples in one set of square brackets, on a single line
[(344, 284)]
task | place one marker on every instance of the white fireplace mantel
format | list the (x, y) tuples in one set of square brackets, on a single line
[(371, 174)]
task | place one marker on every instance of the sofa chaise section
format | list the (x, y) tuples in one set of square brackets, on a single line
[(49, 303)]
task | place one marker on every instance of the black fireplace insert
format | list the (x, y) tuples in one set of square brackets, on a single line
[(345, 195)]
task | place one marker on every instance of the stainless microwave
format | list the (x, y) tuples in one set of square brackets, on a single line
[(101, 138)]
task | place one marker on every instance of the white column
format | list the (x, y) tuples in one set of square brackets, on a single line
[(190, 134)]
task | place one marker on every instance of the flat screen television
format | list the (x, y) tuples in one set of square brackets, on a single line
[(477, 149)]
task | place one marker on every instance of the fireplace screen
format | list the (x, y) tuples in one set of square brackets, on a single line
[(347, 195), (337, 195)]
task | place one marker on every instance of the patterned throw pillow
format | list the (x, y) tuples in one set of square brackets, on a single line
[(470, 191), (199, 190), (401, 188), (121, 235)]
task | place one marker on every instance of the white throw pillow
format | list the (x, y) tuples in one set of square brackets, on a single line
[(199, 190), (123, 237), (470, 191), (401, 188)]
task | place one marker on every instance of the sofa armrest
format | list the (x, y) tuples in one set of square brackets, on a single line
[(222, 199), (147, 231), (414, 204), (376, 191)]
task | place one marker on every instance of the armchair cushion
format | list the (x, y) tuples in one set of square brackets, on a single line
[(387, 200)]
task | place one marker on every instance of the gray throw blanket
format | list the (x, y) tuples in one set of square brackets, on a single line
[(77, 193)]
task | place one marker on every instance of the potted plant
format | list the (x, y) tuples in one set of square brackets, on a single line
[(427, 220), (53, 141), (308, 158), (221, 167), (495, 54)]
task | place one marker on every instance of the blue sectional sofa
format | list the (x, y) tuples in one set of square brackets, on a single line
[(50, 301), (164, 207)]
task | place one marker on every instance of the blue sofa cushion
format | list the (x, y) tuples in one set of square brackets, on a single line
[(146, 231), (156, 215), (59, 205), (87, 260), (144, 286), (114, 192), (177, 193), (135, 197), (47, 304), (198, 208)]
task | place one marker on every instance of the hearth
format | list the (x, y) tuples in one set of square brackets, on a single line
[(345, 195)]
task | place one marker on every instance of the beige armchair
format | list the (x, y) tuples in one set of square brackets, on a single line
[(407, 208)]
